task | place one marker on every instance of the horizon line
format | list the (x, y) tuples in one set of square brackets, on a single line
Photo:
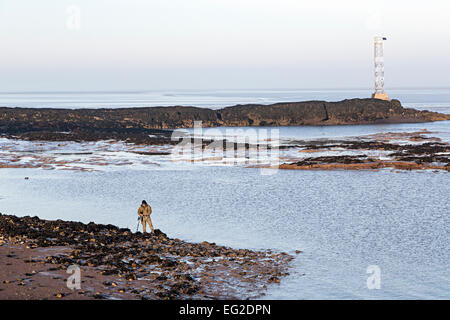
[(216, 89)]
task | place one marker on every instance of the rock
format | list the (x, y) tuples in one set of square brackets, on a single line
[(150, 125), (274, 280)]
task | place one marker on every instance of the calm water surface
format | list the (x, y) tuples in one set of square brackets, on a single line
[(437, 98), (343, 221)]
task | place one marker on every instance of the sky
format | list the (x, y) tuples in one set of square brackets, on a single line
[(111, 45)]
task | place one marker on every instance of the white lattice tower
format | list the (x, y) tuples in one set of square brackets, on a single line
[(379, 69)]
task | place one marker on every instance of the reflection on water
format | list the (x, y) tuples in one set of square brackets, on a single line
[(344, 221)]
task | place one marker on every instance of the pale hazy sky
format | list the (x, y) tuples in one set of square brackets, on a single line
[(219, 44)]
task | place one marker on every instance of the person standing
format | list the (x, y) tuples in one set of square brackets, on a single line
[(144, 213)]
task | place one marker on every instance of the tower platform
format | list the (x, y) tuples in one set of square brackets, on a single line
[(381, 96)]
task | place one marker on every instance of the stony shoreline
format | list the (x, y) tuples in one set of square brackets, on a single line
[(118, 264)]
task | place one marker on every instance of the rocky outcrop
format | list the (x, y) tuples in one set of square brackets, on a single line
[(354, 111), (399, 150), (137, 124)]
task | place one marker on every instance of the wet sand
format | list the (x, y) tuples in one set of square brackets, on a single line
[(118, 264)]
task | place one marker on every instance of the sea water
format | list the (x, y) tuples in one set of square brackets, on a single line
[(344, 222), (436, 98)]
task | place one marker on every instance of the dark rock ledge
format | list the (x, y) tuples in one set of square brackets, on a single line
[(153, 125)]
